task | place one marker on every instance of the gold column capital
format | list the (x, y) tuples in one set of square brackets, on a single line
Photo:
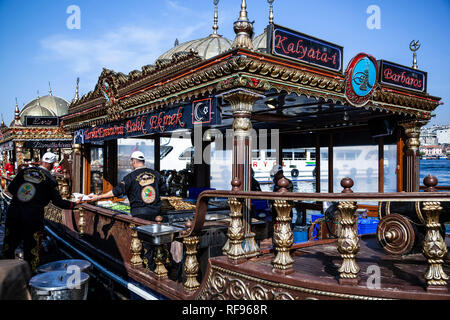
[(242, 100), (76, 148), (412, 132)]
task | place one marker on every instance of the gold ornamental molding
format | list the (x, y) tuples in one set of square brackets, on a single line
[(190, 77), (124, 84), (53, 213), (228, 285)]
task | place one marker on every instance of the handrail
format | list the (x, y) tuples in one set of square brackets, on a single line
[(202, 201), (446, 188)]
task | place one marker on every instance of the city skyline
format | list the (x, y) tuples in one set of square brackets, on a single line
[(40, 48)]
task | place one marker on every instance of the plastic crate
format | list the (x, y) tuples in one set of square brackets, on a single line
[(314, 217), (300, 234), (193, 193), (367, 226)]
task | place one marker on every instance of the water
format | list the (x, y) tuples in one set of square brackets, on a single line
[(438, 168)]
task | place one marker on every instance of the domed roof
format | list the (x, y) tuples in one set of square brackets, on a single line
[(49, 105), (206, 48), (56, 105), (260, 42)]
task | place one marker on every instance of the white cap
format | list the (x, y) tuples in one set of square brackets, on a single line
[(49, 157), (138, 155), (275, 169)]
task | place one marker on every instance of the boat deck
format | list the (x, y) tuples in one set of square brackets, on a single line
[(316, 274)]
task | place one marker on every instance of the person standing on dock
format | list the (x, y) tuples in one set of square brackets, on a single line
[(32, 189), (142, 186)]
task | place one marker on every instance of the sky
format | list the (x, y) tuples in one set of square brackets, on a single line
[(38, 47)]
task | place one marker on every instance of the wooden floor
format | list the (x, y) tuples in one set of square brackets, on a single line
[(316, 267)]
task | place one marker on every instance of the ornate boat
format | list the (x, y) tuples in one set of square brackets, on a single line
[(222, 249)]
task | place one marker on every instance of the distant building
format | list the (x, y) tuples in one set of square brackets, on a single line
[(431, 151), (428, 138), (443, 135)]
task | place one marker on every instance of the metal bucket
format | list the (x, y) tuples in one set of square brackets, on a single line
[(63, 265), (59, 285)]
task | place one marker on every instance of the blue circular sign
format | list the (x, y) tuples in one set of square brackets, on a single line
[(364, 77), (361, 78)]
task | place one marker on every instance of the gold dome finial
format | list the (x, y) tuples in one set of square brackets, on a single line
[(49, 89), (38, 99), (16, 110), (76, 90), (414, 46), (216, 17), (17, 121), (271, 11), (243, 29)]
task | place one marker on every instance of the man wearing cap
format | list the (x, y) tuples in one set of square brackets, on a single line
[(142, 186), (32, 189)]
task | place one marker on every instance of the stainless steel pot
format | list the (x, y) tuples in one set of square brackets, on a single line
[(63, 265), (59, 285)]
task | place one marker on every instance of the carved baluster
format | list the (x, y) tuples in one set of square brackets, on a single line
[(160, 270), (235, 234), (135, 248), (236, 187), (191, 265), (434, 247), (81, 221), (283, 237), (348, 242)]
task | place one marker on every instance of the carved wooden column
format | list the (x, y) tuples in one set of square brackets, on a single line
[(283, 236), (434, 246), (191, 265), (19, 153), (412, 170), (135, 248), (348, 241), (76, 169), (242, 101)]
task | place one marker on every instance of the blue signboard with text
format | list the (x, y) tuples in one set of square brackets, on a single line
[(183, 116), (298, 46)]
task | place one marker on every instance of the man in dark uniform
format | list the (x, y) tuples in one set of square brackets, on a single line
[(32, 189), (142, 186)]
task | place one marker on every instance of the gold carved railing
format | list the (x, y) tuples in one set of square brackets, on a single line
[(347, 244), (434, 247)]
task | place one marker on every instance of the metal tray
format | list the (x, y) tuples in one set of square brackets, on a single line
[(215, 216), (159, 233)]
